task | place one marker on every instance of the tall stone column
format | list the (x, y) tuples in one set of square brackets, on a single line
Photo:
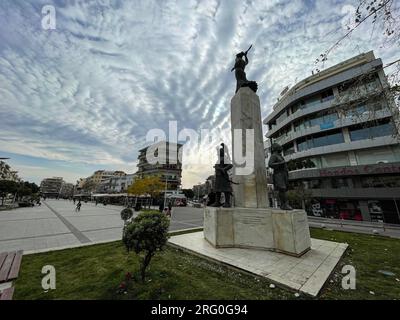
[(251, 192)]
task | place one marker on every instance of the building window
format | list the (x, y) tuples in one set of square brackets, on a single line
[(327, 95), (324, 121), (288, 149), (359, 133), (320, 140)]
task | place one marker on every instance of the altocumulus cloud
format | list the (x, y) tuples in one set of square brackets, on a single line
[(89, 91)]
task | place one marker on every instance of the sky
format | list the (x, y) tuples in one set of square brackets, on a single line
[(84, 96)]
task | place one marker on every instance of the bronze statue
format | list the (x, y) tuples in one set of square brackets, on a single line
[(222, 180), (240, 65), (281, 175)]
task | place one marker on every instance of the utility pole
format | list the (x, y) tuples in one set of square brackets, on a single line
[(165, 191)]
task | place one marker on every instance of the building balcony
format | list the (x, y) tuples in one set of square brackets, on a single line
[(346, 146), (340, 123), (319, 85), (346, 171)]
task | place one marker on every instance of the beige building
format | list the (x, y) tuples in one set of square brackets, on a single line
[(97, 181)]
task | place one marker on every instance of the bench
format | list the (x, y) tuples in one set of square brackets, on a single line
[(7, 294), (10, 263)]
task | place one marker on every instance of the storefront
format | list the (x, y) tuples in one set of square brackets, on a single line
[(386, 211)]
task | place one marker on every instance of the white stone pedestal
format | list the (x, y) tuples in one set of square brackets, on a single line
[(251, 192), (255, 228)]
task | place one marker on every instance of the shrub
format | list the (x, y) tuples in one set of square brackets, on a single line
[(126, 214), (145, 235)]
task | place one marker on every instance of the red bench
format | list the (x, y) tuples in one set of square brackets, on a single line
[(10, 263)]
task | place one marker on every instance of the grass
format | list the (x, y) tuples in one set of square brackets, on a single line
[(95, 272)]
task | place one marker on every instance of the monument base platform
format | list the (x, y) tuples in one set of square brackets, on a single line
[(306, 274), (255, 228)]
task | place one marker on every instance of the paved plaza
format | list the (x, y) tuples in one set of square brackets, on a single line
[(55, 224)]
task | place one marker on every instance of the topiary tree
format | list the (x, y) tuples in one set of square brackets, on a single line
[(146, 234), (126, 214)]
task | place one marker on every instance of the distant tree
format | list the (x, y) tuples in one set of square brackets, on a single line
[(23, 191), (189, 193), (383, 17), (145, 235), (299, 197), (89, 185), (6, 187), (291, 165), (151, 185)]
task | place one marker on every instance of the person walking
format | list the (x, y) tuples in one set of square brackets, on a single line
[(78, 206)]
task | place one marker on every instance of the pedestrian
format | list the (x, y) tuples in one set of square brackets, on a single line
[(78, 206), (161, 206), (169, 210)]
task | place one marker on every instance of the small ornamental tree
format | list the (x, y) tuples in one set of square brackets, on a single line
[(146, 234), (126, 214)]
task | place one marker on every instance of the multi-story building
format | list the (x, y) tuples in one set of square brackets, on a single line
[(67, 190), (339, 132), (103, 175), (6, 173), (121, 184), (202, 189), (51, 187), (162, 159), (98, 181)]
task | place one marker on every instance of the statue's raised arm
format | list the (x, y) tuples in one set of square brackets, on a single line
[(240, 65)]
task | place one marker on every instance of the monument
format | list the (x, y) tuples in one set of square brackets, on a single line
[(222, 180), (243, 231), (250, 223)]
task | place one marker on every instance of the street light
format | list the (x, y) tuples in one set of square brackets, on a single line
[(198, 191), (165, 191)]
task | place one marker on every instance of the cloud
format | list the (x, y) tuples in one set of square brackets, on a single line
[(89, 91)]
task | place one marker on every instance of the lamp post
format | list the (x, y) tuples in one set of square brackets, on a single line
[(198, 191), (165, 191)]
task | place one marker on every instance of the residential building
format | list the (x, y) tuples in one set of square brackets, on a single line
[(121, 184), (102, 175), (162, 159), (51, 187), (67, 190), (340, 137), (202, 189), (97, 182)]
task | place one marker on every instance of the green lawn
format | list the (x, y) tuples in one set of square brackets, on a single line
[(95, 272)]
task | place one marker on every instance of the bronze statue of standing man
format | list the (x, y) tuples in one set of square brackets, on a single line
[(281, 175), (241, 79)]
